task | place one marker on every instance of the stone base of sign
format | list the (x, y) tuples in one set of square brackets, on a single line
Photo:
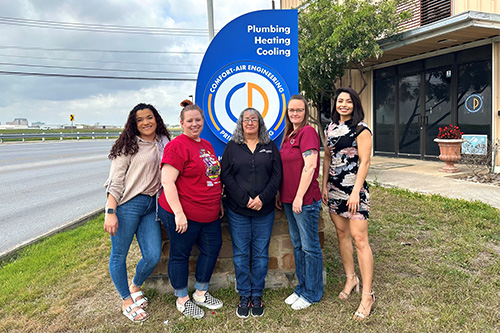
[(281, 261)]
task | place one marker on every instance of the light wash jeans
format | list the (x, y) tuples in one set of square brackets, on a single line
[(306, 250), (135, 217)]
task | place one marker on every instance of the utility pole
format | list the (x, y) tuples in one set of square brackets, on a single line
[(210, 12)]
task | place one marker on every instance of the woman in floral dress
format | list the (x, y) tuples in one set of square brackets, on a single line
[(345, 166)]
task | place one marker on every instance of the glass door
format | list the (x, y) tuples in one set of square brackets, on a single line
[(409, 115), (437, 111)]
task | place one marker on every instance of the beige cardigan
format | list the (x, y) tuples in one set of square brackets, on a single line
[(137, 174)]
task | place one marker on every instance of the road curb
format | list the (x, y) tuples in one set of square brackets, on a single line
[(73, 224)]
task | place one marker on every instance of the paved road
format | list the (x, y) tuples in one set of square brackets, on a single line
[(45, 185)]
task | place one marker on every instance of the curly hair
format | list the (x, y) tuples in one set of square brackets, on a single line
[(126, 143), (239, 134), (357, 113)]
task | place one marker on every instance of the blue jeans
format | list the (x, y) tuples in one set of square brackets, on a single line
[(250, 236), (306, 250), (135, 217), (208, 239)]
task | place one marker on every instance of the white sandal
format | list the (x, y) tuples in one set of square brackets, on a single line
[(140, 301), (130, 314), (345, 296), (362, 315)]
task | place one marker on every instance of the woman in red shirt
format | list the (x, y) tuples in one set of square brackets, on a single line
[(190, 211)]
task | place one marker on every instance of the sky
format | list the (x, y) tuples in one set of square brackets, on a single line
[(111, 38)]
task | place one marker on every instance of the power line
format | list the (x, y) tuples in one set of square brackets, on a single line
[(104, 27), (98, 61), (96, 50), (95, 76), (14, 19), (109, 31), (93, 68)]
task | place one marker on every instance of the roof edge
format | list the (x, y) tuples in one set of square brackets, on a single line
[(450, 24)]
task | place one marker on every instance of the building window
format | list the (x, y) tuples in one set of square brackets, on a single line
[(412, 100), (434, 10)]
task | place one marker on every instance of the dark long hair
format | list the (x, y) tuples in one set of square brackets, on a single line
[(126, 143), (357, 112), (288, 123)]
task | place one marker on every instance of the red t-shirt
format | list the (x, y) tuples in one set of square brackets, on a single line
[(198, 183), (293, 164)]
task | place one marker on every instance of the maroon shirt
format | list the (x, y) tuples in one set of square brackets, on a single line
[(293, 163)]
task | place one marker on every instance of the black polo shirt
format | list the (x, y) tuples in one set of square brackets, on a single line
[(246, 175)]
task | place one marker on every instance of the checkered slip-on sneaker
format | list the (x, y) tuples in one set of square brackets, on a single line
[(207, 301), (189, 309)]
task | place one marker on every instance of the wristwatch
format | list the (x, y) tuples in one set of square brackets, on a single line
[(110, 211)]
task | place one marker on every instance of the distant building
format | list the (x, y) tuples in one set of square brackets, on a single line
[(107, 126), (18, 121), (11, 127)]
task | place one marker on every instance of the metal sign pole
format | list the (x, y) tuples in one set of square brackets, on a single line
[(210, 12)]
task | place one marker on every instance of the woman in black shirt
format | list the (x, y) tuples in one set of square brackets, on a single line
[(251, 174)]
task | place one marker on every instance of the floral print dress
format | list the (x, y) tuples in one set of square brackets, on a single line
[(341, 141)]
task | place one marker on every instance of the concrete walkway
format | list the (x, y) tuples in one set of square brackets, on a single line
[(425, 177)]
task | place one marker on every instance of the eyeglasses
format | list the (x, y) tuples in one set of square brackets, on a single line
[(296, 110), (250, 120)]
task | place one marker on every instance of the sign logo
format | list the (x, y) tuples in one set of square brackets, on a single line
[(251, 62), (476, 144), (474, 103), (241, 85)]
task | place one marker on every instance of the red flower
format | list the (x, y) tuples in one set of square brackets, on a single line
[(451, 132)]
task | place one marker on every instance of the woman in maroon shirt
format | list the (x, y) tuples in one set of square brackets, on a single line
[(300, 196)]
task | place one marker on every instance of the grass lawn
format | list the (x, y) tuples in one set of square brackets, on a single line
[(436, 269)]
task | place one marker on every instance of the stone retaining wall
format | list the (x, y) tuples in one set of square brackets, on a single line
[(281, 261)]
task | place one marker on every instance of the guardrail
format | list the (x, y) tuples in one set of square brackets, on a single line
[(60, 135), (92, 135)]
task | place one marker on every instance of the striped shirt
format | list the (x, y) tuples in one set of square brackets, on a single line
[(137, 174)]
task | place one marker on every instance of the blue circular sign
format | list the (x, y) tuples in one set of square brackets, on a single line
[(240, 85), (474, 103)]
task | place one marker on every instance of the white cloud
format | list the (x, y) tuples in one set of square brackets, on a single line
[(52, 99)]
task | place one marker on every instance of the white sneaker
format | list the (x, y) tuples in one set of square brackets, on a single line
[(300, 304), (292, 299)]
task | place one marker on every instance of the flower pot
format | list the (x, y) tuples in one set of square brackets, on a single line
[(449, 153)]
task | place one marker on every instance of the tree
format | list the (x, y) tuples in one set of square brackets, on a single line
[(335, 36)]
